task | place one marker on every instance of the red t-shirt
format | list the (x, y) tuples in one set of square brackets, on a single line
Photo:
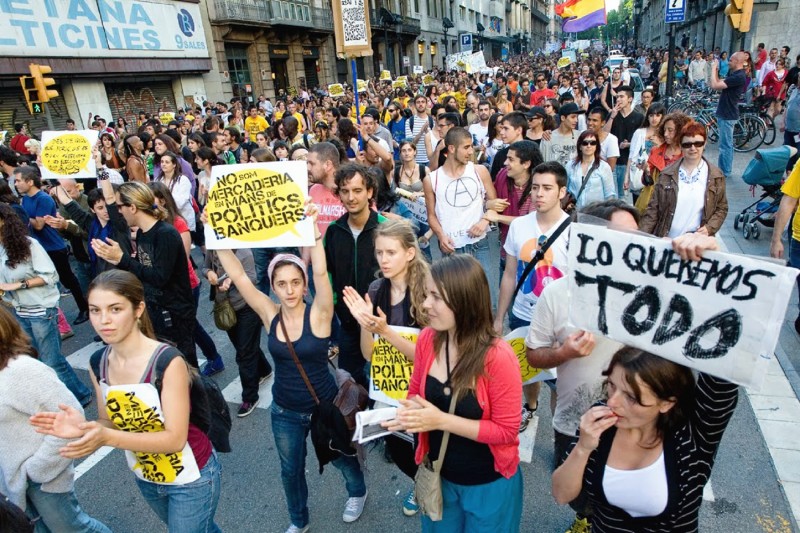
[(330, 206), (539, 96), (762, 57), (182, 227)]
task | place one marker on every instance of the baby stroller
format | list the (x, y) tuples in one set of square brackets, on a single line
[(766, 171)]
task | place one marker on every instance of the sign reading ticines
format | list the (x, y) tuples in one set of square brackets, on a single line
[(111, 28)]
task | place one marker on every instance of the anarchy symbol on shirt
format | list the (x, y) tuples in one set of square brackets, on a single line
[(462, 192)]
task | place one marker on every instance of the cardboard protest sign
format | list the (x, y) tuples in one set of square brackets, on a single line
[(386, 75), (362, 86), (399, 84), (390, 371), (418, 69), (529, 374), (563, 62), (721, 315), (417, 208), (336, 90), (166, 117), (3, 134), (428, 79), (68, 154), (258, 205)]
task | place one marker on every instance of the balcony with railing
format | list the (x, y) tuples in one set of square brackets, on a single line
[(274, 13), (402, 23)]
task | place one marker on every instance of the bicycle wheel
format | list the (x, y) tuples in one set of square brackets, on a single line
[(771, 132), (748, 133)]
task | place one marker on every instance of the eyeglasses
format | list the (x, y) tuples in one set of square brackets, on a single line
[(540, 79), (589, 143), (696, 144)]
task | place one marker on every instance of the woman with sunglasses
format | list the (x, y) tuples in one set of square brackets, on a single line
[(589, 178), (662, 155), (689, 195), (642, 143)]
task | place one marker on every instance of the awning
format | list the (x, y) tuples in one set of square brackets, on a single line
[(500, 39)]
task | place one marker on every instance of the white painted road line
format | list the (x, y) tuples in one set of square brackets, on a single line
[(233, 393), (708, 493), (527, 440), (92, 460)]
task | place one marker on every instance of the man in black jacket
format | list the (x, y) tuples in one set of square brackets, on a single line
[(350, 253)]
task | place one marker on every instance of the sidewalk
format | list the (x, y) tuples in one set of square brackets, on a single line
[(776, 405)]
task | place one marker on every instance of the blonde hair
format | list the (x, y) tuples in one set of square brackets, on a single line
[(418, 269), (139, 195)]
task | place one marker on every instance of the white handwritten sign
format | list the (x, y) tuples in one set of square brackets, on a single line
[(721, 315)]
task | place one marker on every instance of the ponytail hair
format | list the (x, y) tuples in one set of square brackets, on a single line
[(139, 195), (125, 284)]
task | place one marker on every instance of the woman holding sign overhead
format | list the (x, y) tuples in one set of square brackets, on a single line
[(299, 334), (464, 400), (396, 299), (645, 456)]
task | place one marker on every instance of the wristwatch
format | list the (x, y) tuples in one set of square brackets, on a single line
[(23, 284)]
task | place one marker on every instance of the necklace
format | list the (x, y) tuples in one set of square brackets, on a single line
[(409, 176), (447, 385)]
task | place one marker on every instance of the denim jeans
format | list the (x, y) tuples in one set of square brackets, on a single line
[(725, 161), (480, 251), (187, 508), (619, 179), (291, 430), (44, 335), (246, 339), (59, 512), (83, 271), (201, 336)]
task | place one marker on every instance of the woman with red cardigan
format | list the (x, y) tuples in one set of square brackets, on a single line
[(460, 354)]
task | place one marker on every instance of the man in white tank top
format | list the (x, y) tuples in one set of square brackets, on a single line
[(455, 195)]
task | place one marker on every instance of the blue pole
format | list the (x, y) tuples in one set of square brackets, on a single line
[(355, 91)]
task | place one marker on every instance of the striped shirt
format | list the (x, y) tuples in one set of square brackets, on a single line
[(689, 453)]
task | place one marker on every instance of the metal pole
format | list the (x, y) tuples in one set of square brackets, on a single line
[(48, 117), (671, 61)]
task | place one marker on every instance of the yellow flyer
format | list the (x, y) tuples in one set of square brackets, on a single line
[(258, 205), (390, 371), (336, 90), (529, 374), (68, 154)]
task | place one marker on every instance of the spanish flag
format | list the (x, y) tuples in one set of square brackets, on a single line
[(581, 15)]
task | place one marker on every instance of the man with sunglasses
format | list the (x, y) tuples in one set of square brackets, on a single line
[(542, 92), (396, 127)]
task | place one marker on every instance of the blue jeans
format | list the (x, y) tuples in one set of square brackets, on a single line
[(725, 161), (83, 271), (291, 430), (480, 251), (59, 512), (495, 506), (44, 335), (187, 508), (619, 179)]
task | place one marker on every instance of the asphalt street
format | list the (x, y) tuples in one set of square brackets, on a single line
[(744, 495)]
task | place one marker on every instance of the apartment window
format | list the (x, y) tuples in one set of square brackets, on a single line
[(463, 12), (416, 6)]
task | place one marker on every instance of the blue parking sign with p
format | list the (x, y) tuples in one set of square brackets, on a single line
[(466, 42)]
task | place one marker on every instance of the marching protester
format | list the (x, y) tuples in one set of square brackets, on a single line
[(174, 462)]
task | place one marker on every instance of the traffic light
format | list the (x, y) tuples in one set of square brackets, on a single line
[(29, 90), (42, 83), (740, 12)]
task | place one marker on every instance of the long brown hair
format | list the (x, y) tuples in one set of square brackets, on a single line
[(669, 382), (465, 290), (128, 286), (170, 208), (14, 237), (418, 269), (13, 340)]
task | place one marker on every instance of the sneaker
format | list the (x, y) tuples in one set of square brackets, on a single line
[(262, 379), (353, 508), (410, 507), (246, 408), (67, 335), (294, 529), (580, 525), (214, 366), (527, 414)]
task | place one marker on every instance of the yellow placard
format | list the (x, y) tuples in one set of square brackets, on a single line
[(258, 205), (427, 79), (336, 90), (386, 75), (563, 62), (68, 154), (399, 84), (166, 117), (390, 371), (362, 86), (529, 374)]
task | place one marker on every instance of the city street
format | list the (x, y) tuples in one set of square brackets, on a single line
[(745, 494)]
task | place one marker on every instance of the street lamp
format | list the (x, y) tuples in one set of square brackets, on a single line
[(447, 24)]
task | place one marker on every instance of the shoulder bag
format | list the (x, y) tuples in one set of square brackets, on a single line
[(570, 203), (428, 481), (538, 256)]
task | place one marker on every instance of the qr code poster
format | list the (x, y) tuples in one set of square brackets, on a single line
[(351, 27)]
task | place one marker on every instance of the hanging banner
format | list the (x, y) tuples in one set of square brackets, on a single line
[(336, 90), (721, 315), (258, 205), (390, 371), (68, 154), (529, 374)]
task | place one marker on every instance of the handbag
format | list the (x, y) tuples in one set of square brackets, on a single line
[(332, 422), (570, 203), (428, 481), (224, 313)]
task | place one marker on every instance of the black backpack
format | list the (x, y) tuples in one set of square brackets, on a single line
[(209, 410), (411, 123)]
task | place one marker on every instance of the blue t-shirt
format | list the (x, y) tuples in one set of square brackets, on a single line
[(40, 205), (398, 131), (728, 107)]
